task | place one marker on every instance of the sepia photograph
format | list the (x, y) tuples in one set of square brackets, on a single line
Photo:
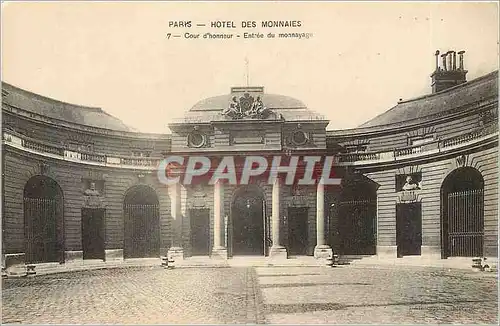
[(249, 162)]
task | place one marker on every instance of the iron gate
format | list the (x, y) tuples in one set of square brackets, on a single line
[(41, 217), (142, 230), (357, 227), (466, 223)]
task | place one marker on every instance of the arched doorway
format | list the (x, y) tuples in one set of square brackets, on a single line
[(142, 223), (357, 216), (462, 213), (43, 220), (247, 227)]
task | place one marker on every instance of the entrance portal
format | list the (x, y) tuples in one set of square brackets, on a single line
[(43, 220), (297, 230), (409, 229), (142, 223), (462, 214), (247, 221)]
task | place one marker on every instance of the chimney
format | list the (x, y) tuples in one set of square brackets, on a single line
[(449, 75), (461, 58)]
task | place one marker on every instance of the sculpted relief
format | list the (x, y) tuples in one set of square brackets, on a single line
[(411, 184), (92, 194), (246, 107)]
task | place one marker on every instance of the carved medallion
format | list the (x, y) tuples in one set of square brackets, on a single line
[(299, 138), (197, 139)]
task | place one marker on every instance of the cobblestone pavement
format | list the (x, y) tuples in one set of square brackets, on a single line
[(133, 296), (391, 295), (346, 294)]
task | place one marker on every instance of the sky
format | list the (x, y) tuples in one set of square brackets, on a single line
[(361, 59)]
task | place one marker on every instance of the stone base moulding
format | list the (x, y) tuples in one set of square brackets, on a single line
[(219, 253), (430, 252), (74, 256), (177, 253), (324, 254), (14, 264), (113, 255), (278, 252), (323, 251), (13, 259), (387, 252)]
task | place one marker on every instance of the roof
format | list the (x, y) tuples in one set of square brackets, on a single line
[(439, 103), (285, 107), (272, 101), (83, 115)]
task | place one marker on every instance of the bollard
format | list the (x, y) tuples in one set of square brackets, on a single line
[(170, 262), (336, 259), (485, 266), (476, 263), (479, 264), (30, 270), (4, 272), (164, 261)]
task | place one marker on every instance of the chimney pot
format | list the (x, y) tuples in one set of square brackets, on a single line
[(449, 55), (437, 60), (444, 61), (461, 59)]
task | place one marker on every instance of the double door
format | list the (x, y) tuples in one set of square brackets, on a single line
[(93, 233), (409, 229)]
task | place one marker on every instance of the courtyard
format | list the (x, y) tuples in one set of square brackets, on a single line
[(243, 295)]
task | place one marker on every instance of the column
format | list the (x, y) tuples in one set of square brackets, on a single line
[(322, 250), (176, 251), (218, 249), (277, 250)]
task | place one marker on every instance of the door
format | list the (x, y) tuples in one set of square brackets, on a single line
[(357, 225), (409, 229), (248, 228), (297, 230), (200, 232), (93, 233)]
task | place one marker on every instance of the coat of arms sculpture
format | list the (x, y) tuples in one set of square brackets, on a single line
[(246, 107)]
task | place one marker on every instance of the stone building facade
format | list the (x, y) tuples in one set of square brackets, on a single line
[(420, 179)]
